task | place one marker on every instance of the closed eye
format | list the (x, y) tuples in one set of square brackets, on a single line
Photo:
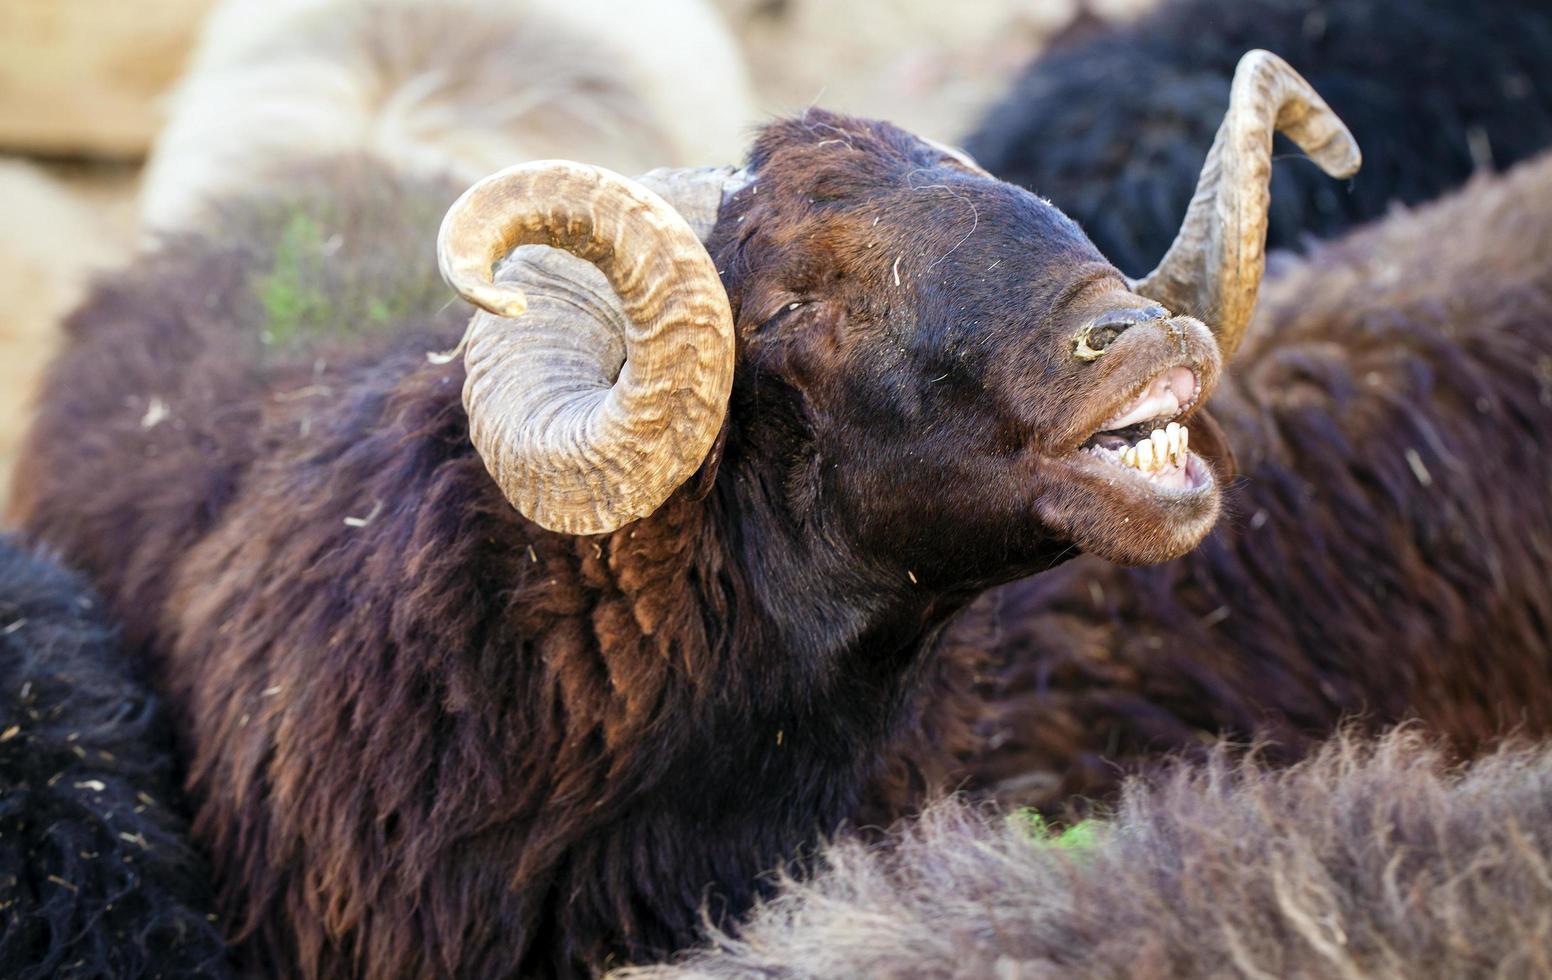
[(782, 313)]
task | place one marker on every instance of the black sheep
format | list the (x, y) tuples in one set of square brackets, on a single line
[(97, 874), (1112, 127)]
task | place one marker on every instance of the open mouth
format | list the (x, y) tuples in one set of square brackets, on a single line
[(1143, 436)]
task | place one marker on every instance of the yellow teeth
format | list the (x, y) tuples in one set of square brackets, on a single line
[(1163, 447)]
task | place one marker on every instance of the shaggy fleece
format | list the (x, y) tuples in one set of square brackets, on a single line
[(97, 874), (1373, 859), (1112, 125)]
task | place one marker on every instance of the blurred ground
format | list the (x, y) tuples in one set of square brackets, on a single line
[(81, 77), (80, 82), (61, 223)]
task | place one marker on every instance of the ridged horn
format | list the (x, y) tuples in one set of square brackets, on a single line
[(608, 390), (1213, 269)]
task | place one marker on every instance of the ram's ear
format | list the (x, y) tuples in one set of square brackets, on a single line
[(706, 478), (1210, 442)]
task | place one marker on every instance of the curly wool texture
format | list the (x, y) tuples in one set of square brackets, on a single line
[(1112, 127), (98, 877), (1372, 859)]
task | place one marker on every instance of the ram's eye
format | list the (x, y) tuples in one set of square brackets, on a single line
[(782, 312)]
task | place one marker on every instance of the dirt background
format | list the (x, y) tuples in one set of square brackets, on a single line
[(81, 83)]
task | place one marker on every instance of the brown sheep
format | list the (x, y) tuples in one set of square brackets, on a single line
[(431, 737), (1372, 859)]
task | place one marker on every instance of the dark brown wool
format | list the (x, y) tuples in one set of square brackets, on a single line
[(1371, 860), (1386, 551), (429, 738)]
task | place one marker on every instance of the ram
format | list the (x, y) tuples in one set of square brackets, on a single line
[(436, 735), (1371, 859), (97, 875), (1111, 127), (1385, 549)]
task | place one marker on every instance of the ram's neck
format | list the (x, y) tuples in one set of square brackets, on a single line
[(791, 668), (767, 616), (828, 615)]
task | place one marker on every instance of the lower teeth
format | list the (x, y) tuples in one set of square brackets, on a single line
[(1164, 448)]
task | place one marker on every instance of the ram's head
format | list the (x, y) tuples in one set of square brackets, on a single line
[(901, 353)]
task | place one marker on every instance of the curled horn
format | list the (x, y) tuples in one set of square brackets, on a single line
[(608, 390), (1213, 269)]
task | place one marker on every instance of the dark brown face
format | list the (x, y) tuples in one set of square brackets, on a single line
[(943, 366)]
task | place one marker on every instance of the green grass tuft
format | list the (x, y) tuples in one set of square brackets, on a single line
[(1078, 838), (291, 292), (319, 286)]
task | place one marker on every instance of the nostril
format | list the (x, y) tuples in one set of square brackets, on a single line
[(1108, 326), (1101, 332)]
